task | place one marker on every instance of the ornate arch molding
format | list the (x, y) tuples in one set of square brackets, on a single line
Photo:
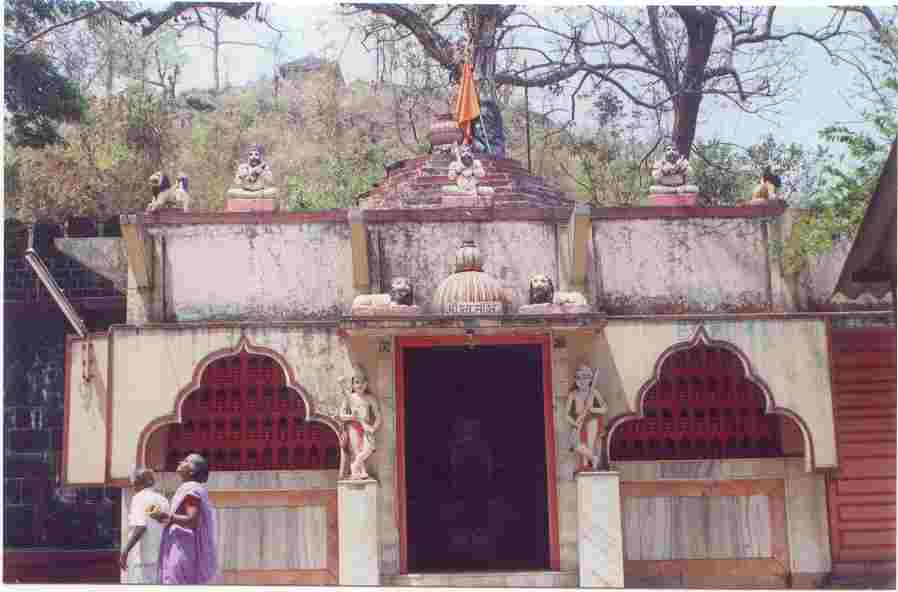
[(701, 337), (244, 345)]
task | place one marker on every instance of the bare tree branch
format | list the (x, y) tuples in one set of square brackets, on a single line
[(33, 38)]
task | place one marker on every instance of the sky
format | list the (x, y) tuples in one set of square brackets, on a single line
[(316, 29)]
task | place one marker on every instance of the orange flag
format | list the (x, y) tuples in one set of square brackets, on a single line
[(467, 106)]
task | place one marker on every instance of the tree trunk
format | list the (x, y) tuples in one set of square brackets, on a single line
[(686, 108), (110, 73), (484, 58), (700, 28), (110, 60), (484, 50)]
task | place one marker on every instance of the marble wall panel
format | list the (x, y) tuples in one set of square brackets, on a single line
[(807, 521), (272, 538), (665, 528)]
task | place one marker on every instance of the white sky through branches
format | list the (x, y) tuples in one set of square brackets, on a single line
[(316, 29)]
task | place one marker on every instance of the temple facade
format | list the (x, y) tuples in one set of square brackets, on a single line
[(472, 380)]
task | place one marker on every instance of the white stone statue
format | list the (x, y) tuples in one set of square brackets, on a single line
[(671, 173), (466, 171), (165, 196), (254, 178), (584, 413), (399, 301), (545, 300), (360, 417)]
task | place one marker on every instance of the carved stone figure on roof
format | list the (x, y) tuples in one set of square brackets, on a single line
[(544, 299), (360, 417), (398, 301), (542, 289), (401, 291), (584, 413), (466, 171), (671, 173), (165, 196), (767, 188), (254, 178)]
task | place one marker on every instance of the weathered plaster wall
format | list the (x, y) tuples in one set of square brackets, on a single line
[(790, 356), (679, 265), (87, 419), (817, 279), (256, 271), (425, 253), (152, 365)]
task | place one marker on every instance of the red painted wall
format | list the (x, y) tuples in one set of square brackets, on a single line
[(862, 491), (69, 567)]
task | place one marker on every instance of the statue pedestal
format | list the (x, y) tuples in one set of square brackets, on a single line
[(467, 200), (246, 204), (359, 537), (674, 199), (385, 310), (600, 541)]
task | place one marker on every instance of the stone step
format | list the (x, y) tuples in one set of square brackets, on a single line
[(495, 579)]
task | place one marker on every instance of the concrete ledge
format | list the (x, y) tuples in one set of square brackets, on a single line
[(481, 212), (385, 310), (771, 209)]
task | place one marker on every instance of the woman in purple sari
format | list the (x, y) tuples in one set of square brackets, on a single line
[(187, 554)]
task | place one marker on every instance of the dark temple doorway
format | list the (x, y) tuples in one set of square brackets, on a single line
[(475, 459)]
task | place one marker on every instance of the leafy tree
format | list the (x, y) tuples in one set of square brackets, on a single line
[(846, 182), (659, 58), (36, 94), (101, 168)]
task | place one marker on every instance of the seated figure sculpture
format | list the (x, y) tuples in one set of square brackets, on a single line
[(466, 171), (545, 300), (254, 178), (767, 188), (399, 301), (671, 174)]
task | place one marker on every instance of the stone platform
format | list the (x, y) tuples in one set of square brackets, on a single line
[(497, 579)]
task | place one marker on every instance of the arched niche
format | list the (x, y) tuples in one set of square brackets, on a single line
[(243, 413), (705, 402)]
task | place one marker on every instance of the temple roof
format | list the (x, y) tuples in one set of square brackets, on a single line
[(418, 183)]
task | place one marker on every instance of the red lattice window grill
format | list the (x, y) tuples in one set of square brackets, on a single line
[(244, 417), (702, 406)]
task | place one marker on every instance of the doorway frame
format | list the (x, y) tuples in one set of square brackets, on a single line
[(545, 343)]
